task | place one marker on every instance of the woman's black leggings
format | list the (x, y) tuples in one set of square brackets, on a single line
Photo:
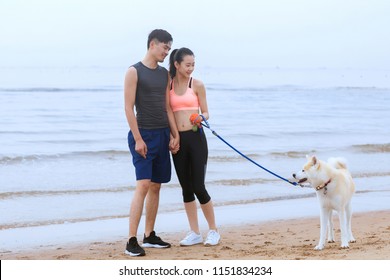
[(190, 164)]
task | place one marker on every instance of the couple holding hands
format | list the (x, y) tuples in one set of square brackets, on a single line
[(170, 107)]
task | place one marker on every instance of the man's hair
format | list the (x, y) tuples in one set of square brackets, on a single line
[(160, 35)]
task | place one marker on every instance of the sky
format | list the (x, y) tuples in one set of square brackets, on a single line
[(238, 33)]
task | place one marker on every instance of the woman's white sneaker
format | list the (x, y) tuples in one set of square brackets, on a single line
[(191, 238), (212, 239)]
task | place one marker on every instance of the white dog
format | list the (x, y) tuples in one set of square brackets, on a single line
[(334, 187)]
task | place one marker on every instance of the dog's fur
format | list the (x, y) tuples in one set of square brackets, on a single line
[(334, 187)]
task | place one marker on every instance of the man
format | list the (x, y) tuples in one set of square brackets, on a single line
[(152, 132)]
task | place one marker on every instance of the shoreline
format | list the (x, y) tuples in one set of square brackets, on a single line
[(283, 239)]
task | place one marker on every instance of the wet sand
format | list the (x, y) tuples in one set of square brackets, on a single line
[(292, 239)]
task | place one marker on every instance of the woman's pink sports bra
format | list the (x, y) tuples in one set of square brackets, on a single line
[(187, 101)]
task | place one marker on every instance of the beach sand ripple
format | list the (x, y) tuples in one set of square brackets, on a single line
[(292, 239)]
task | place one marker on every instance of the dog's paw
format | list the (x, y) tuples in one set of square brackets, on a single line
[(343, 246), (352, 240), (319, 247), (331, 241)]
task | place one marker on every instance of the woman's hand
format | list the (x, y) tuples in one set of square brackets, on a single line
[(174, 144), (196, 119)]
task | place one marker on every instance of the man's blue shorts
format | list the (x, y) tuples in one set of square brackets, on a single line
[(157, 165)]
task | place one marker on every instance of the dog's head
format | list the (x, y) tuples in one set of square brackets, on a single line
[(310, 166)]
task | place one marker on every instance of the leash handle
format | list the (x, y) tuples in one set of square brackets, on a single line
[(206, 124)]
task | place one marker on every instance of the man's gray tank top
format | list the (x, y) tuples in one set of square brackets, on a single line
[(150, 99)]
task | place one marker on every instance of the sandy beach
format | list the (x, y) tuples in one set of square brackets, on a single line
[(292, 239)]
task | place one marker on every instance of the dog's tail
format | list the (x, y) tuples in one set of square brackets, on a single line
[(338, 163)]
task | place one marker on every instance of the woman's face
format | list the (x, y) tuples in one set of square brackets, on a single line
[(187, 66)]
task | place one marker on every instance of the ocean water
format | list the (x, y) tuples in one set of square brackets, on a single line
[(64, 158)]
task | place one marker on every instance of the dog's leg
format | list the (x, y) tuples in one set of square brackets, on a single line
[(330, 228), (348, 211), (343, 228), (324, 218)]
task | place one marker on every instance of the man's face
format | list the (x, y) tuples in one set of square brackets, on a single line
[(161, 50)]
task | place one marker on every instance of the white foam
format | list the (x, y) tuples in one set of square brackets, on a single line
[(170, 222)]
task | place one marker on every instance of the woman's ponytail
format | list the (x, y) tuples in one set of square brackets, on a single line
[(172, 68)]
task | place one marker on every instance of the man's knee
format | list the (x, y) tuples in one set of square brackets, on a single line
[(143, 187), (154, 187)]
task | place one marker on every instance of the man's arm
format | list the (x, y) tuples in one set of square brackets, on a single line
[(175, 141), (130, 88)]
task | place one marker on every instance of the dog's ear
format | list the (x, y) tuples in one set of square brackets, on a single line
[(314, 160)]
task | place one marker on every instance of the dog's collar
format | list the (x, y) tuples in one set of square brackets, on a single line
[(323, 186)]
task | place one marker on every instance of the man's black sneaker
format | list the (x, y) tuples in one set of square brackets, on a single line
[(133, 249), (153, 241)]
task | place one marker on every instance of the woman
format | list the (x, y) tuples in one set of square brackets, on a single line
[(187, 100)]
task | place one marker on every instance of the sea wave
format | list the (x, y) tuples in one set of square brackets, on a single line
[(178, 207), (112, 154), (221, 182), (224, 158), (373, 148), (108, 154), (294, 88), (287, 154), (292, 154), (254, 181), (8, 195), (57, 222), (60, 89), (211, 87)]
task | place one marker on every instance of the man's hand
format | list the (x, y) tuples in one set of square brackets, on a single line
[(174, 144), (141, 148)]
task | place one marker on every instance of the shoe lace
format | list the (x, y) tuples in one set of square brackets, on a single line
[(158, 238), (211, 235), (189, 234), (153, 237), (133, 242)]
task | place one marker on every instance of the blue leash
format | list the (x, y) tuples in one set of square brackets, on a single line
[(206, 124)]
